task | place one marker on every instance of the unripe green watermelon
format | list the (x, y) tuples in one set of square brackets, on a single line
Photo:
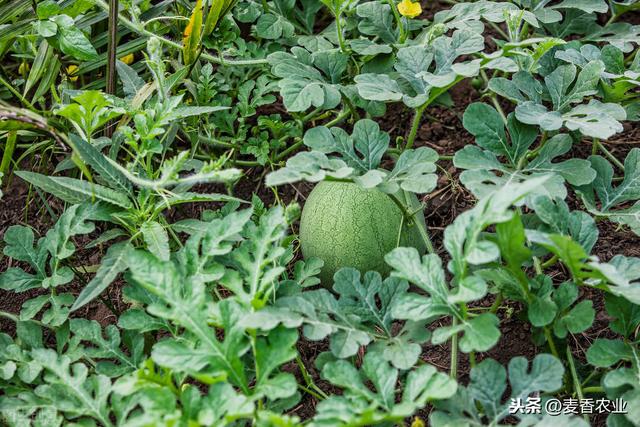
[(347, 226)]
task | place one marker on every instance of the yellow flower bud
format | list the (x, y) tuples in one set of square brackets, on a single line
[(417, 422), (128, 59), (409, 9), (71, 70), (24, 68)]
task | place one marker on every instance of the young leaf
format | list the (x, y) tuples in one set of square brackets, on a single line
[(131, 81), (376, 19), (365, 305), (273, 351), (422, 385), (367, 139), (480, 179), (578, 319), (424, 71), (607, 352), (156, 239), (302, 85), (70, 386), (72, 41), (115, 362), (46, 255), (566, 88), (482, 398), (486, 124), (310, 166), (94, 158), (258, 261), (74, 190), (112, 264), (610, 197), (558, 219), (413, 170), (625, 315)]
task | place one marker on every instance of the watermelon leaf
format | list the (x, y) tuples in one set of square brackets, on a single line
[(484, 173), (488, 384), (422, 385), (358, 161), (367, 139), (364, 306)]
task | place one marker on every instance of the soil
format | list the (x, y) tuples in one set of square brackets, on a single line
[(441, 130)]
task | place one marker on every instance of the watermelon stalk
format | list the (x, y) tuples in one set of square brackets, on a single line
[(413, 217)]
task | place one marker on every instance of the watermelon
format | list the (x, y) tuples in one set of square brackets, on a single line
[(347, 226)]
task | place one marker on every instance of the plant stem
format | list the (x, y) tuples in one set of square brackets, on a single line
[(498, 30), (290, 149), (254, 350), (437, 92), (248, 163), (547, 333), (110, 306), (311, 385), (112, 45), (552, 345), (594, 389), (608, 154), (343, 48), (350, 105), (399, 234), (496, 104), (9, 316), (425, 236), (574, 374), (9, 147), (496, 304), (17, 94), (551, 261), (216, 142), (16, 319), (589, 377), (453, 373), (537, 265), (398, 18), (311, 392), (414, 126), (536, 151), (414, 218), (46, 205), (311, 115), (576, 380), (340, 117)]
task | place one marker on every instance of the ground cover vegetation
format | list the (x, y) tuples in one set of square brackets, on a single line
[(160, 266)]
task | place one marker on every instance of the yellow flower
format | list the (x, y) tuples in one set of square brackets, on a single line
[(23, 68), (417, 422), (409, 9), (71, 70), (128, 59)]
